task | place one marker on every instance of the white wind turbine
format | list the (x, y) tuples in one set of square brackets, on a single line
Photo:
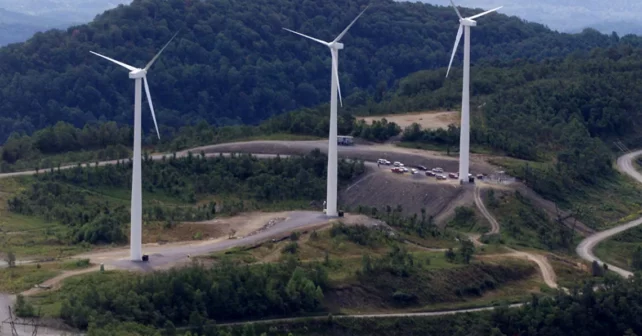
[(464, 142), (335, 46), (139, 75)]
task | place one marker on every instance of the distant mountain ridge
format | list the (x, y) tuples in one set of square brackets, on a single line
[(20, 19), (621, 16)]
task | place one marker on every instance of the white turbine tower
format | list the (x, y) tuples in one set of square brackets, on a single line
[(464, 142), (139, 75), (335, 46)]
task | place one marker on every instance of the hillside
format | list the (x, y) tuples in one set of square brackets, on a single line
[(233, 63)]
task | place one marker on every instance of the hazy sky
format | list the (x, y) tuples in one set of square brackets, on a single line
[(622, 16)]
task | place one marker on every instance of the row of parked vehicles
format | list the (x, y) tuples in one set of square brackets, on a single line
[(438, 173)]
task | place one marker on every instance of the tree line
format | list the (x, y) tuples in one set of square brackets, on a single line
[(73, 197), (196, 295), (63, 143)]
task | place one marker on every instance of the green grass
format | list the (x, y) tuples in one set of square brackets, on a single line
[(616, 253), (23, 277), (618, 250), (50, 301), (63, 159)]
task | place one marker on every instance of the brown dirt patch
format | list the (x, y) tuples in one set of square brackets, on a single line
[(426, 119)]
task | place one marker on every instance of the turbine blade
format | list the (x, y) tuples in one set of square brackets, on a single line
[(335, 73), (151, 106), (484, 13), (350, 25), (149, 65), (308, 37), (459, 32), (126, 66), (456, 10)]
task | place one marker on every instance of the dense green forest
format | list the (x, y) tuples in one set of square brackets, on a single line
[(63, 143), (77, 197), (233, 63), (610, 311), (195, 295)]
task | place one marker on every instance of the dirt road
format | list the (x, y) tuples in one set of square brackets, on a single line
[(545, 267), (55, 282), (585, 248), (494, 225)]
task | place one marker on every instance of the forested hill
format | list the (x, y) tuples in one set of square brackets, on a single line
[(232, 61)]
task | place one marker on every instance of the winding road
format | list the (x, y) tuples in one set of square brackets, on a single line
[(545, 267), (585, 248)]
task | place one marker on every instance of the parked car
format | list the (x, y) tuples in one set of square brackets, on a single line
[(438, 170), (397, 164), (430, 173), (480, 176), (422, 168), (414, 171), (404, 169), (383, 162), (453, 175), (441, 176)]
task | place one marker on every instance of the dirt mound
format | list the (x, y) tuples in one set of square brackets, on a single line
[(382, 188)]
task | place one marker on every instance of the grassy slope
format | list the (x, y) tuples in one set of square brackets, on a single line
[(23, 277), (611, 202), (435, 280), (619, 249)]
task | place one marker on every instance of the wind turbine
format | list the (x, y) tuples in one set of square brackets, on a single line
[(464, 142), (139, 75), (335, 46)]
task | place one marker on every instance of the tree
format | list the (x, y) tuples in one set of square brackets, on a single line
[(466, 250), (596, 269), (450, 255)]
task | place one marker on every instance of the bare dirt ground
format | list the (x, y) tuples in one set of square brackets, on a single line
[(427, 119)]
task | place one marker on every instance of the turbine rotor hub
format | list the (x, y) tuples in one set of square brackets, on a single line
[(138, 73), (336, 45), (468, 22)]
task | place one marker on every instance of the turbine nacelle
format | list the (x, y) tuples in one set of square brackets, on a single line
[(467, 22), (138, 73), (335, 45)]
